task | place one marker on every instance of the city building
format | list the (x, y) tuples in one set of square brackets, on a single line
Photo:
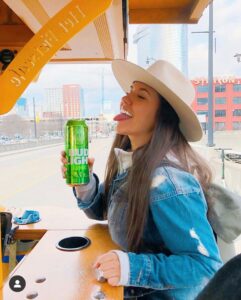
[(82, 103), (53, 107), (226, 102), (72, 101), (21, 107), (65, 102), (165, 41)]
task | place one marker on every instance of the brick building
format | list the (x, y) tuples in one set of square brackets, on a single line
[(226, 102)]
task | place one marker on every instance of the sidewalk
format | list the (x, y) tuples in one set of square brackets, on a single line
[(28, 145), (99, 148), (223, 139), (13, 152)]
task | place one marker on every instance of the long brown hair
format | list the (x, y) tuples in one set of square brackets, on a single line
[(166, 138)]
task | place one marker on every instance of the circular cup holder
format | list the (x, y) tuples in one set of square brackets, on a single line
[(73, 243)]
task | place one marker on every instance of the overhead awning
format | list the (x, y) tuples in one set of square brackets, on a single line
[(166, 11), (39, 31), (102, 40)]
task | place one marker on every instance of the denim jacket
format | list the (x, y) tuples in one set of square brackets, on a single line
[(180, 254)]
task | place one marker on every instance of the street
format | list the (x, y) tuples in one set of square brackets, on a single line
[(34, 177)]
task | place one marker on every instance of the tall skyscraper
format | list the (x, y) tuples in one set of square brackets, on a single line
[(53, 107), (167, 41), (72, 101)]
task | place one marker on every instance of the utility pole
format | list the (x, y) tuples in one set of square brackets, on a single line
[(210, 77), (34, 119), (102, 91), (61, 119)]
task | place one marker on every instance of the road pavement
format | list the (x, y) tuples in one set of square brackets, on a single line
[(34, 177)]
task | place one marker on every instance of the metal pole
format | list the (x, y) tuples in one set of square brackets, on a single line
[(102, 91), (34, 119), (223, 161), (61, 121), (210, 77)]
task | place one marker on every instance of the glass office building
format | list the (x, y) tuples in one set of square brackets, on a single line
[(167, 41)]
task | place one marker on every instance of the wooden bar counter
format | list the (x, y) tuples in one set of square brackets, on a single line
[(54, 218), (68, 274)]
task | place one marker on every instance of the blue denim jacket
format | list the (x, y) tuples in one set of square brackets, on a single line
[(181, 253)]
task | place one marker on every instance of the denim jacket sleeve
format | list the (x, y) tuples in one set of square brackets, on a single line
[(180, 217), (93, 207)]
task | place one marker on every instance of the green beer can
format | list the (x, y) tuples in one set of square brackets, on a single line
[(76, 148)]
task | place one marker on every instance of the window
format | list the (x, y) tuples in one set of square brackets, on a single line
[(237, 112), (219, 88), (202, 101), (220, 113), (236, 125), (236, 100), (220, 100), (202, 88), (219, 126), (237, 87), (202, 112)]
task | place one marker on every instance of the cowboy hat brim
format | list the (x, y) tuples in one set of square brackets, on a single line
[(173, 86)]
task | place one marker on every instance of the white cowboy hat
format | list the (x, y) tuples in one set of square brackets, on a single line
[(170, 83)]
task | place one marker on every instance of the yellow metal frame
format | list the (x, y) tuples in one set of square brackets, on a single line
[(44, 44)]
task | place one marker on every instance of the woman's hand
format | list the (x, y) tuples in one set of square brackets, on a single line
[(64, 162), (109, 266)]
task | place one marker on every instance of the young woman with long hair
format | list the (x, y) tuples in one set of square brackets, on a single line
[(153, 195)]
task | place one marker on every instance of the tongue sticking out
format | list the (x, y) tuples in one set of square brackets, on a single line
[(121, 117)]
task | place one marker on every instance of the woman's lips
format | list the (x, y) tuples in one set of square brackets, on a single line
[(121, 117)]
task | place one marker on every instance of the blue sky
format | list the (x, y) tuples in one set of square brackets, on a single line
[(227, 26), (87, 76)]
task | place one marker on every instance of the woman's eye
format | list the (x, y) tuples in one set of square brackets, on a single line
[(141, 97)]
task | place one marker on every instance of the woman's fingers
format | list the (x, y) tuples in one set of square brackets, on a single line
[(63, 157), (63, 171), (108, 264), (63, 153), (107, 258), (110, 272), (114, 281), (91, 161), (64, 162)]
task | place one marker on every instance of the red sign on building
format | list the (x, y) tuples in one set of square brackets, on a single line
[(226, 102)]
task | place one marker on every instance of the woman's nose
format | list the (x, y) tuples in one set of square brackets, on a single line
[(126, 99)]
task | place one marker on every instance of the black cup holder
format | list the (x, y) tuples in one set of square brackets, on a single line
[(73, 243)]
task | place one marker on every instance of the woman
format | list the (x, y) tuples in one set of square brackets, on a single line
[(153, 192)]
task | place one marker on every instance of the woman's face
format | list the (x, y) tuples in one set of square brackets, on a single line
[(138, 114)]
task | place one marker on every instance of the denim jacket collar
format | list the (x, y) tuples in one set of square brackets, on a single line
[(124, 159)]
